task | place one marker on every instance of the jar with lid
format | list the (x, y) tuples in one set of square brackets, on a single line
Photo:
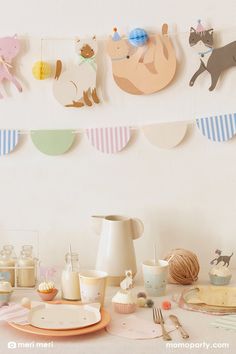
[(70, 278), (26, 267), (7, 260), (10, 248)]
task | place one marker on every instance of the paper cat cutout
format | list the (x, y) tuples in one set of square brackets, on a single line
[(142, 70), (76, 86), (213, 60), (221, 258), (9, 48)]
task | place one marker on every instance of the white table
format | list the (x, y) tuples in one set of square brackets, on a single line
[(196, 324)]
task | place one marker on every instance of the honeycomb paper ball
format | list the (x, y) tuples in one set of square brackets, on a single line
[(138, 37), (41, 70)]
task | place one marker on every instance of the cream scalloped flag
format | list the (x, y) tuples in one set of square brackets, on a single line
[(165, 135)]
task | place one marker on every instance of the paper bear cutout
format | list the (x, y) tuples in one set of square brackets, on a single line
[(76, 86), (142, 70), (9, 48), (213, 60)]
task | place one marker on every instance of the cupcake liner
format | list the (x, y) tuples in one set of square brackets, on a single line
[(124, 308)]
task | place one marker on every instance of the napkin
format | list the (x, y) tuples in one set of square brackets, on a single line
[(134, 327), (14, 313), (227, 322)]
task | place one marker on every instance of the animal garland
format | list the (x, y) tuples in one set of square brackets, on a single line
[(76, 85), (213, 60), (143, 69), (9, 48)]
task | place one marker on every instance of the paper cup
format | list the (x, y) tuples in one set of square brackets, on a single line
[(92, 286), (155, 276)]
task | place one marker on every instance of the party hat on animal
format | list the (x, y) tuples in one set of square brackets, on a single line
[(200, 27), (116, 36)]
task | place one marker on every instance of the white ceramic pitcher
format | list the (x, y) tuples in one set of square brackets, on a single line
[(116, 249)]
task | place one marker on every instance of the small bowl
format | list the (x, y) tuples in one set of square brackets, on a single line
[(5, 298), (48, 296), (217, 280)]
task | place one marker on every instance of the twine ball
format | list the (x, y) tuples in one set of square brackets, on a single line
[(41, 70), (183, 266), (138, 37)]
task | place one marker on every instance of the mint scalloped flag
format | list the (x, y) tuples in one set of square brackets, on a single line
[(53, 142)]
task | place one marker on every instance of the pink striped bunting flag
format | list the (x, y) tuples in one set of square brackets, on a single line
[(109, 140)]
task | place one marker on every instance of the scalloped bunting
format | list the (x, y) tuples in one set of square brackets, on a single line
[(218, 128), (165, 135), (8, 141), (109, 140), (53, 142)]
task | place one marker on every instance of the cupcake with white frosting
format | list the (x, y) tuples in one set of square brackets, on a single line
[(47, 290), (123, 302)]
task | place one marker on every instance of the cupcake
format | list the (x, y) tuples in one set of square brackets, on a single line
[(123, 302), (47, 291), (5, 292), (220, 275)]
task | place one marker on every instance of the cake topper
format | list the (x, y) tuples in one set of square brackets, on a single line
[(127, 283), (221, 258)]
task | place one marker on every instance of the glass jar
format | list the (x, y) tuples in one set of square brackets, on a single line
[(27, 269), (7, 260), (10, 249), (70, 278)]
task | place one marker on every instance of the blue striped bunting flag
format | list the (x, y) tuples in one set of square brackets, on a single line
[(218, 128), (8, 141)]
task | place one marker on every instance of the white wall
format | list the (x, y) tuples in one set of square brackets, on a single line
[(186, 197)]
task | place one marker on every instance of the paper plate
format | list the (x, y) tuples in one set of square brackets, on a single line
[(210, 303), (60, 329), (64, 316)]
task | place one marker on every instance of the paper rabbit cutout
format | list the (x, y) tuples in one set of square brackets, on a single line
[(142, 70), (213, 60), (76, 86), (9, 48)]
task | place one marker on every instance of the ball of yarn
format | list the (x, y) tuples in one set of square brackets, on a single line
[(138, 37), (183, 266), (41, 70)]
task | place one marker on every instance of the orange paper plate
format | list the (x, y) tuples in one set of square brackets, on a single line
[(105, 319)]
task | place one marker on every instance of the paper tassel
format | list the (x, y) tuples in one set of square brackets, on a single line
[(8, 141), (109, 140)]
